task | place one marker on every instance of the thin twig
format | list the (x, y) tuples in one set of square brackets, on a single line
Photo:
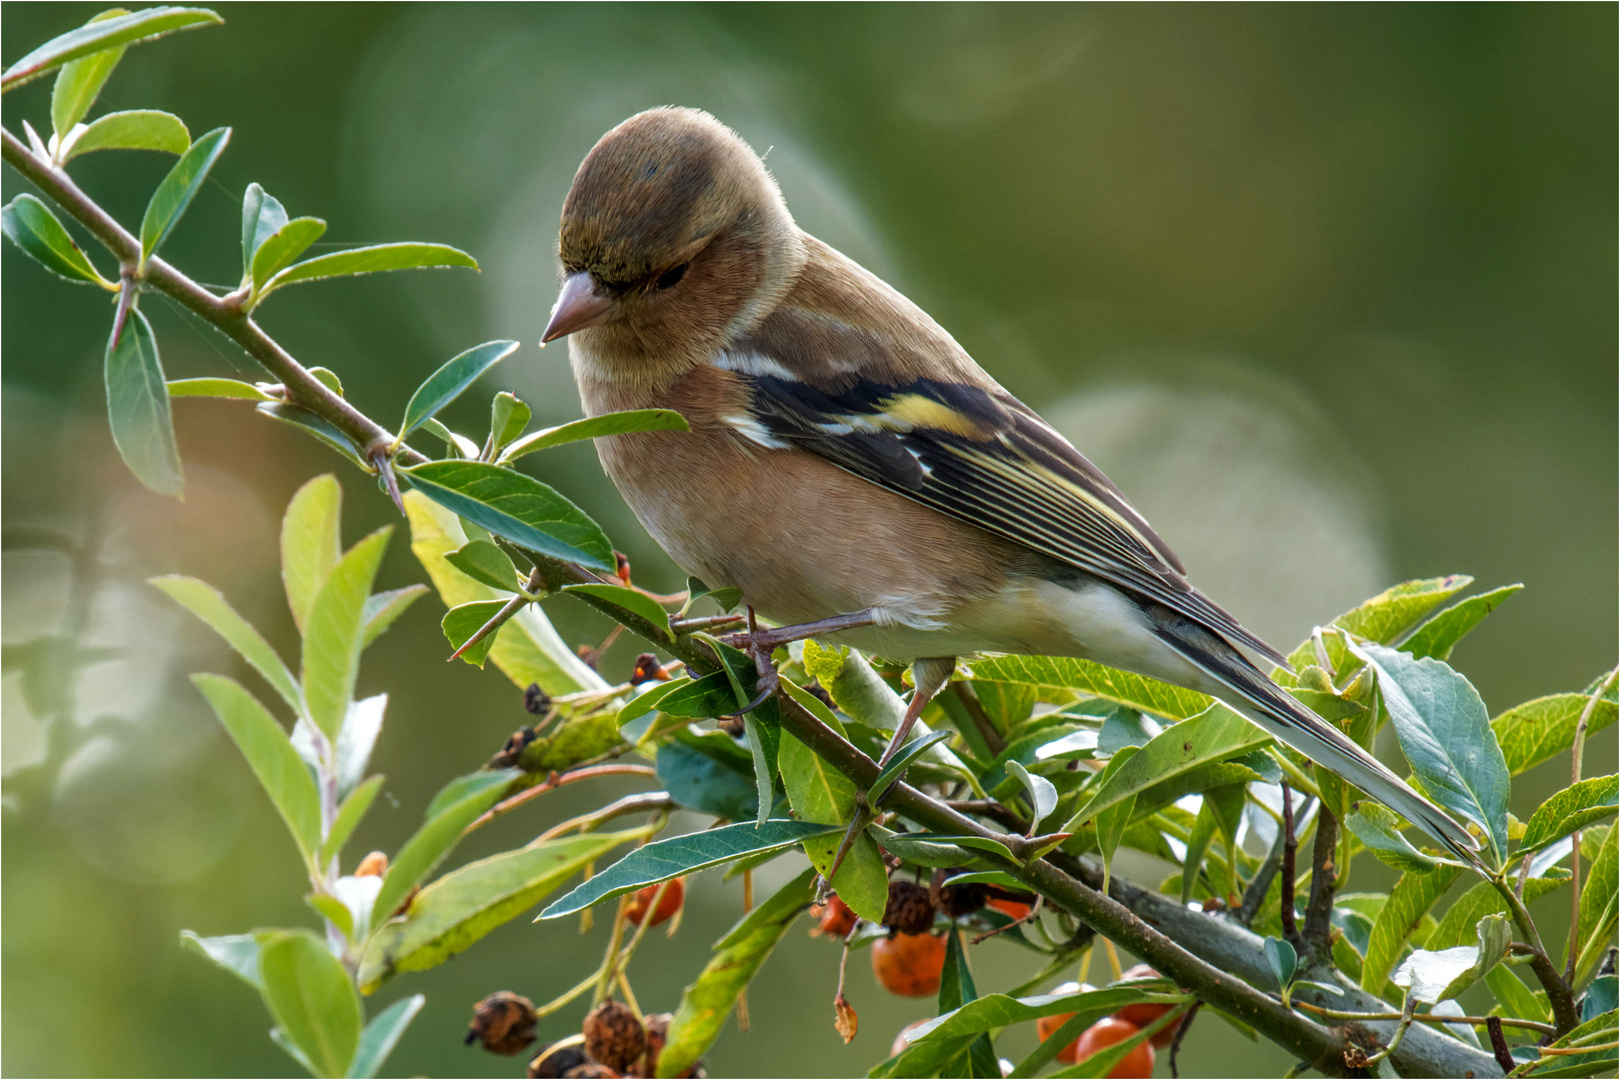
[(1289, 853), (1318, 933), (1181, 1033)]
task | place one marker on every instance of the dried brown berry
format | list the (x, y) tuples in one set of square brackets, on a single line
[(591, 1070), (504, 1022), (955, 901), (909, 910), (555, 1059), (536, 700), (614, 1036), (508, 755), (657, 1036), (373, 865), (647, 668)]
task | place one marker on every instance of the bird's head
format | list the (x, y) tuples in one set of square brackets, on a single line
[(674, 236)]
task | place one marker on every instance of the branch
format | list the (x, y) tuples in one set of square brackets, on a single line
[(1324, 877)]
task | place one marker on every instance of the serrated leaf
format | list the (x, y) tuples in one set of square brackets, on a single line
[(209, 605), (382, 1035), (232, 389), (79, 82), (368, 260), (276, 251), (1537, 730), (134, 129), (313, 1001), (174, 194), (311, 542), (452, 810), (516, 507), (1440, 634), (383, 608), (461, 907), (1411, 898), (236, 953), (30, 225), (447, 384), (1378, 828), (270, 754), (677, 855), (595, 427), (138, 409), (484, 562), (1573, 808), (109, 34), (323, 430), (333, 632), (1069, 673)]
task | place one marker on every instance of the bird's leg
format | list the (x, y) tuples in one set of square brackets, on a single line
[(929, 676), (760, 644)]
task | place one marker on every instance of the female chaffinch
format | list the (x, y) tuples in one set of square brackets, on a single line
[(850, 468)]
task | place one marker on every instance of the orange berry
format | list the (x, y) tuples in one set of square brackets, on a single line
[(1143, 1015), (668, 904), (909, 964), (1047, 1026), (1105, 1033), (1010, 908), (837, 920), (900, 1045)]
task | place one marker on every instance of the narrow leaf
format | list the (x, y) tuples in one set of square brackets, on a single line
[(270, 754), (447, 384), (903, 759), (276, 251), (382, 1035), (515, 506), (79, 82), (1379, 829), (138, 409), (1411, 898), (1137, 691), (172, 197), (595, 427), (312, 999), (356, 740), (645, 702), (262, 214), (1440, 635), (677, 855), (108, 34), (932, 849), (1537, 730), (332, 638), (348, 818), (136, 129), (439, 834), (484, 562), (369, 260), (1597, 908), (233, 389), (209, 605), (631, 600), (1573, 808), (30, 225), (311, 542)]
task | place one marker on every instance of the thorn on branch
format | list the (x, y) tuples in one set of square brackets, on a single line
[(384, 463)]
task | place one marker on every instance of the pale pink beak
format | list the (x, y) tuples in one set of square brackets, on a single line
[(578, 306)]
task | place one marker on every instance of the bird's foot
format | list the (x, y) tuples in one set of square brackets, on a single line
[(756, 641)]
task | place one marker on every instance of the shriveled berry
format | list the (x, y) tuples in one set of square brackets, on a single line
[(614, 1036), (1105, 1033), (504, 1022), (836, 919), (556, 1059), (657, 1035), (954, 901), (1047, 1026), (1144, 1014), (909, 964), (909, 910), (536, 700), (668, 904)]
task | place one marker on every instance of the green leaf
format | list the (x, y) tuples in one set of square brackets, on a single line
[(1069, 673), (138, 409), (30, 225), (382, 1035), (383, 608), (209, 605), (677, 855), (1411, 898), (311, 542), (820, 793), (1573, 808), (368, 260), (108, 34), (1440, 635), (1282, 960), (701, 699), (1597, 910), (233, 389), (447, 384), (327, 377), (270, 754), (738, 958), (334, 911), (1436, 976), (725, 599), (1042, 795), (516, 507), (1464, 914), (452, 810), (1516, 998), (1217, 734), (262, 214), (135, 129), (631, 600), (1446, 736), (936, 850), (956, 989), (79, 82), (483, 561), (646, 702), (508, 416), (595, 427), (312, 999), (905, 756), (236, 953), (332, 633), (1379, 829), (276, 251), (1537, 730), (1388, 615), (714, 783), (764, 746), (463, 621), (349, 816), (527, 649), (461, 907), (300, 417), (172, 197)]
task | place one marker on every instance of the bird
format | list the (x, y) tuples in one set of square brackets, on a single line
[(849, 466)]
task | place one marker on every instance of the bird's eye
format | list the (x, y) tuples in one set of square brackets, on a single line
[(670, 278)]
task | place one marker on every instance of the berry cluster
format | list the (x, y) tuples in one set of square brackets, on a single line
[(1116, 1029)]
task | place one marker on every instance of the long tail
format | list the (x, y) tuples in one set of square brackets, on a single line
[(1277, 712)]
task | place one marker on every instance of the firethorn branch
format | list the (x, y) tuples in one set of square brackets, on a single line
[(1221, 963)]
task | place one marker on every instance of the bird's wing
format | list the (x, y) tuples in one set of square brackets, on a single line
[(979, 455)]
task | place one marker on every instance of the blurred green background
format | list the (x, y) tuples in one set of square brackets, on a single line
[(1330, 291)]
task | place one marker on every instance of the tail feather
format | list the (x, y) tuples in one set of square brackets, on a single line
[(1278, 713)]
